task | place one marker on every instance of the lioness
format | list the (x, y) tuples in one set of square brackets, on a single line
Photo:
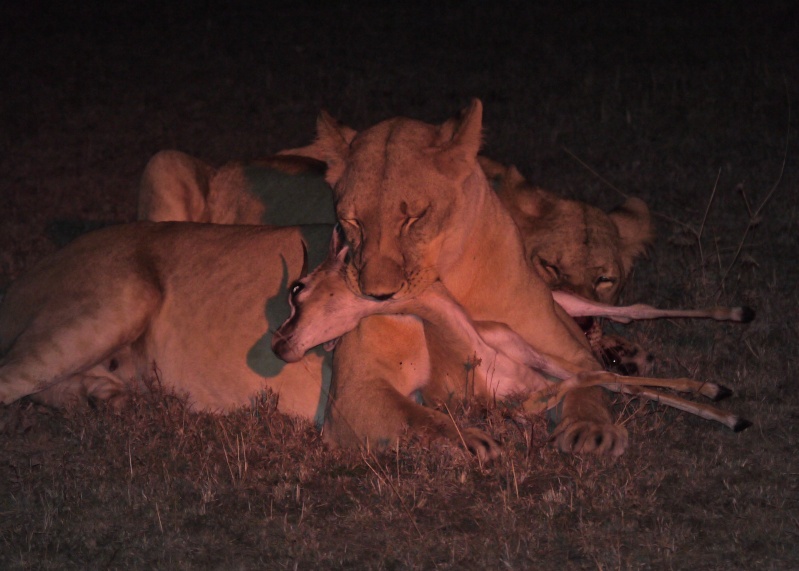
[(574, 247), (415, 206), (580, 249), (194, 303)]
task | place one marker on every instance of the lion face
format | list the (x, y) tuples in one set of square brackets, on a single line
[(578, 249), (396, 188), (574, 246)]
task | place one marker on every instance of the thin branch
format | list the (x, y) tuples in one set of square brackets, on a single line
[(624, 194), (754, 218), (704, 218), (596, 174)]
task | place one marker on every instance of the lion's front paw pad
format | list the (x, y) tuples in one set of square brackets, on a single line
[(585, 436)]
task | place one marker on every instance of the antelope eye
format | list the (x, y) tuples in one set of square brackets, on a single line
[(296, 288), (604, 281)]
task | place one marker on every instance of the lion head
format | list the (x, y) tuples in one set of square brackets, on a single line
[(574, 246), (397, 187)]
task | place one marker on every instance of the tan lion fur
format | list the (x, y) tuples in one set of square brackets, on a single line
[(277, 190), (323, 308), (231, 181), (415, 207), (190, 302), (193, 303), (578, 248), (572, 245)]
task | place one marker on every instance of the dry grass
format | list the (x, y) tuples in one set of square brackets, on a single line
[(153, 485), (689, 110)]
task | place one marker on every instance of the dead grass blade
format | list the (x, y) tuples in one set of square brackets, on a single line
[(383, 476)]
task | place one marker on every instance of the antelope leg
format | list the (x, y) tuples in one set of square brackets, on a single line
[(577, 306), (706, 411)]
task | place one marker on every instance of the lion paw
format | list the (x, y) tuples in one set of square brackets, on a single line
[(581, 436), (480, 444)]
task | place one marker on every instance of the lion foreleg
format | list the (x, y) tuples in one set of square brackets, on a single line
[(377, 368), (587, 425)]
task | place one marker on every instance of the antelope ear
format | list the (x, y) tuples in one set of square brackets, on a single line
[(332, 145), (634, 223), (459, 140), (337, 242), (304, 271), (342, 254)]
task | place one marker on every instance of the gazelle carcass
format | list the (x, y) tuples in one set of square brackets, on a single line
[(323, 308)]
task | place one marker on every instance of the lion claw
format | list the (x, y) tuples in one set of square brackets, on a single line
[(481, 444)]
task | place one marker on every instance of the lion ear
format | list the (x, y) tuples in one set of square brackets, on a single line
[(495, 172), (329, 129), (460, 138), (514, 190), (634, 223), (332, 145), (529, 199)]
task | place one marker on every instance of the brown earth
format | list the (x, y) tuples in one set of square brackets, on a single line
[(693, 108)]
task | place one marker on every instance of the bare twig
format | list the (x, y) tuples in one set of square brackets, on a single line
[(624, 194), (224, 449), (704, 219), (754, 217), (158, 513), (595, 173), (455, 424)]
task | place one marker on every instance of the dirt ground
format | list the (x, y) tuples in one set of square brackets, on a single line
[(692, 107)]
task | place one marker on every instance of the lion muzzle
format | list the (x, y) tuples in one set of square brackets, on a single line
[(381, 279)]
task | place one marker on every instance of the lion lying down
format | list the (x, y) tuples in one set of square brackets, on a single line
[(573, 246), (199, 302), (580, 249), (185, 301)]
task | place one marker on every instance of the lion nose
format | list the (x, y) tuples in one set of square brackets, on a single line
[(381, 281), (381, 297), (374, 290)]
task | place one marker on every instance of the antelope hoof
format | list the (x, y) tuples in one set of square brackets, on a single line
[(723, 393)]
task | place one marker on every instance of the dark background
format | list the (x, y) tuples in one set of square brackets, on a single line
[(690, 105)]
